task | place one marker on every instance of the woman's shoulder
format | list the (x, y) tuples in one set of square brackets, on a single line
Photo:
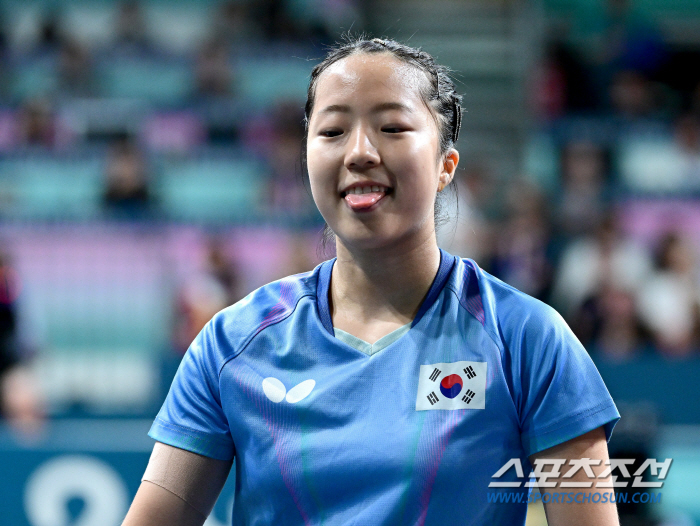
[(265, 306), (498, 297), (506, 311)]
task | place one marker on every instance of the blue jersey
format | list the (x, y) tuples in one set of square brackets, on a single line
[(409, 431)]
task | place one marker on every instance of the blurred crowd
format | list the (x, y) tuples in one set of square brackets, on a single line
[(616, 107), (133, 95), (64, 95)]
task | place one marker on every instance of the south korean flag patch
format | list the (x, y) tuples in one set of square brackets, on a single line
[(457, 385)]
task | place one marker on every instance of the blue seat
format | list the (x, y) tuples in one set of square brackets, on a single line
[(33, 78), (50, 188), (210, 190), (265, 81), (158, 81)]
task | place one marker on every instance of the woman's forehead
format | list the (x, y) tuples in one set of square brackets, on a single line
[(378, 74)]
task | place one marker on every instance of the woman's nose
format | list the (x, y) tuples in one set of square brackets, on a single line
[(361, 153)]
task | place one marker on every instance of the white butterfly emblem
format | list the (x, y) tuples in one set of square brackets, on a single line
[(276, 391)]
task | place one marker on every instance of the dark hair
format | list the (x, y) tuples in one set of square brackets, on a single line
[(438, 93)]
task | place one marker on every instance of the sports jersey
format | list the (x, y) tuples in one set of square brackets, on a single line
[(409, 433)]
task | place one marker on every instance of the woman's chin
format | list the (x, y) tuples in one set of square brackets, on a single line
[(374, 240)]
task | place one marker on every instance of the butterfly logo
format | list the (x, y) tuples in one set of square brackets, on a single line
[(276, 391)]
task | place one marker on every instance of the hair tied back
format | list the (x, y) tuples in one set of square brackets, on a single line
[(456, 119)]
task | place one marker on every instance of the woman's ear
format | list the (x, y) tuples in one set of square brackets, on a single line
[(449, 165)]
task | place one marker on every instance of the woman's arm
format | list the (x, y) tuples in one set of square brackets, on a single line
[(591, 445), (156, 506), (179, 488)]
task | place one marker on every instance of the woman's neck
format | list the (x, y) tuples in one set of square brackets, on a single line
[(376, 291)]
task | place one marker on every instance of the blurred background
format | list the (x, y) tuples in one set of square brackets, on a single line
[(150, 175)]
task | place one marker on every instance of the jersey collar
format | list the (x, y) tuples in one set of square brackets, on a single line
[(447, 262)]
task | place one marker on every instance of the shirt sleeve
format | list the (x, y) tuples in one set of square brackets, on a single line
[(558, 391), (192, 417)]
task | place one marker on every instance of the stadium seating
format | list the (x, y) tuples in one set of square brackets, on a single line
[(47, 187)]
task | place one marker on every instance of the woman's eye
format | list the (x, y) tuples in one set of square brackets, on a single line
[(392, 129), (330, 133)]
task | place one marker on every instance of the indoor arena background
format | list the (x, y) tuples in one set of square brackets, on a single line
[(150, 175)]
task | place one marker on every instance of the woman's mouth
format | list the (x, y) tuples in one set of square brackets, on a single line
[(363, 197)]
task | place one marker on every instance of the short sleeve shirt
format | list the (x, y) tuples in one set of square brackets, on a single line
[(323, 433)]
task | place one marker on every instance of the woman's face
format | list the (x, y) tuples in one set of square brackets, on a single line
[(373, 152)]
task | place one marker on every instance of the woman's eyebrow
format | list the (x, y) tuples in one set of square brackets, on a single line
[(389, 106), (381, 107), (336, 108)]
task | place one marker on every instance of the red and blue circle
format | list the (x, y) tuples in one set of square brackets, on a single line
[(451, 385)]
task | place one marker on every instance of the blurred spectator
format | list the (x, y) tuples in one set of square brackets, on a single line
[(695, 100), (608, 324), (9, 285), (687, 145), (548, 88), (590, 264), (3, 33), (198, 301), (126, 194), (215, 288), (582, 202), (22, 404), (669, 300), (130, 28), (462, 230), (562, 83), (637, 438), (666, 163), (631, 41), (520, 256), (233, 24), (468, 222), (214, 74), (20, 401), (36, 124), (485, 189), (680, 74), (287, 196), (624, 50), (49, 29), (76, 76), (8, 131), (631, 94), (276, 21), (223, 269)]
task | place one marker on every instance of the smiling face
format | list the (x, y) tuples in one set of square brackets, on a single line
[(373, 152)]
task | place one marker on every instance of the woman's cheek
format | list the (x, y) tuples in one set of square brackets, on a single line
[(313, 165), (323, 171), (322, 186)]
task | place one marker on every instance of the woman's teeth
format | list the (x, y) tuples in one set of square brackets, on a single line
[(363, 190)]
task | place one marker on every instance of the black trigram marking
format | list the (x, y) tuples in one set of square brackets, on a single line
[(468, 396), (433, 399), (469, 371), (436, 372)]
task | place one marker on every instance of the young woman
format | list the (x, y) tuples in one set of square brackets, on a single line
[(389, 385)]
